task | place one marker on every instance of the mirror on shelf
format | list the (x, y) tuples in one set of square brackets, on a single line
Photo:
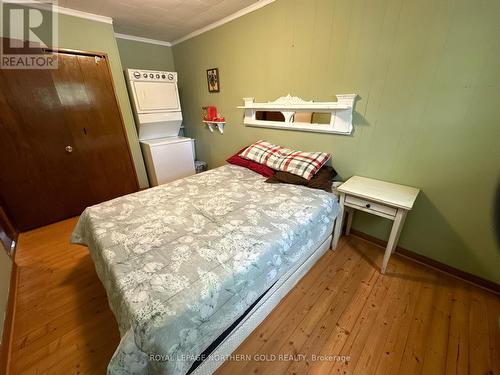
[(270, 116), (294, 113)]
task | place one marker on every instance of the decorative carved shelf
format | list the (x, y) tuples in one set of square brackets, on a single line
[(340, 114), (215, 125)]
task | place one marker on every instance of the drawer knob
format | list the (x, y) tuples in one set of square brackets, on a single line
[(368, 205)]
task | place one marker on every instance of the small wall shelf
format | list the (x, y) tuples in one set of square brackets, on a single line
[(215, 125), (340, 113)]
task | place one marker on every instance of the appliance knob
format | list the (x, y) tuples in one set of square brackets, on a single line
[(157, 76), (163, 76), (151, 75), (137, 75), (145, 75), (170, 76)]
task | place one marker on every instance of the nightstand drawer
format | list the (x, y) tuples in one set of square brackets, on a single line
[(370, 206)]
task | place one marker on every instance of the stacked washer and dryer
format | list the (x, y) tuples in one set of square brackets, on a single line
[(158, 115)]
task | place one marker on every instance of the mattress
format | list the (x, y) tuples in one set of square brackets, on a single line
[(181, 262)]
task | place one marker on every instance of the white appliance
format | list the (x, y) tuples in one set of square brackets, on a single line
[(157, 109)]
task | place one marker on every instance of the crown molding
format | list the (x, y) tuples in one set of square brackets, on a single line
[(96, 17), (259, 4), (61, 10), (143, 40), (80, 14)]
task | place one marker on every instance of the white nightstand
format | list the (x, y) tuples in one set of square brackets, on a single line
[(380, 198)]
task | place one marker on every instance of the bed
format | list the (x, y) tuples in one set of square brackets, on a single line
[(182, 262)]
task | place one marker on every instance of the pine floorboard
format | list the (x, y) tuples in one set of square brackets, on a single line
[(413, 320)]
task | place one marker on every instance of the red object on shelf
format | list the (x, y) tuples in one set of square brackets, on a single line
[(211, 113)]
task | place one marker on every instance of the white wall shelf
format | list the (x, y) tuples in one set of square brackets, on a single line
[(340, 114), (212, 125)]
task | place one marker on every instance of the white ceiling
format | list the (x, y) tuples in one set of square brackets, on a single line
[(166, 20)]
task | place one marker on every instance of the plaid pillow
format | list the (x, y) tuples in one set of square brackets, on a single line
[(304, 164)]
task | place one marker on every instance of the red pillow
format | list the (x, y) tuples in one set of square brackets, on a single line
[(262, 169)]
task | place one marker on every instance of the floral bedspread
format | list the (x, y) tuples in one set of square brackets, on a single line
[(181, 262)]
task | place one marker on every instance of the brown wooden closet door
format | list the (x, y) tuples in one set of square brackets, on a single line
[(96, 126), (62, 144)]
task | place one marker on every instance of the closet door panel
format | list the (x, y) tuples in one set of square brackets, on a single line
[(75, 105), (107, 155), (62, 142), (94, 122), (36, 171)]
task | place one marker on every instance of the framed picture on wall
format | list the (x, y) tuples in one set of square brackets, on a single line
[(213, 80)]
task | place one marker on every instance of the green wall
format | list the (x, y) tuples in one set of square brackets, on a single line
[(141, 55), (84, 34), (427, 74)]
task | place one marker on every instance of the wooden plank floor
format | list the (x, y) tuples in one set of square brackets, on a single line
[(413, 320), (62, 322)]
